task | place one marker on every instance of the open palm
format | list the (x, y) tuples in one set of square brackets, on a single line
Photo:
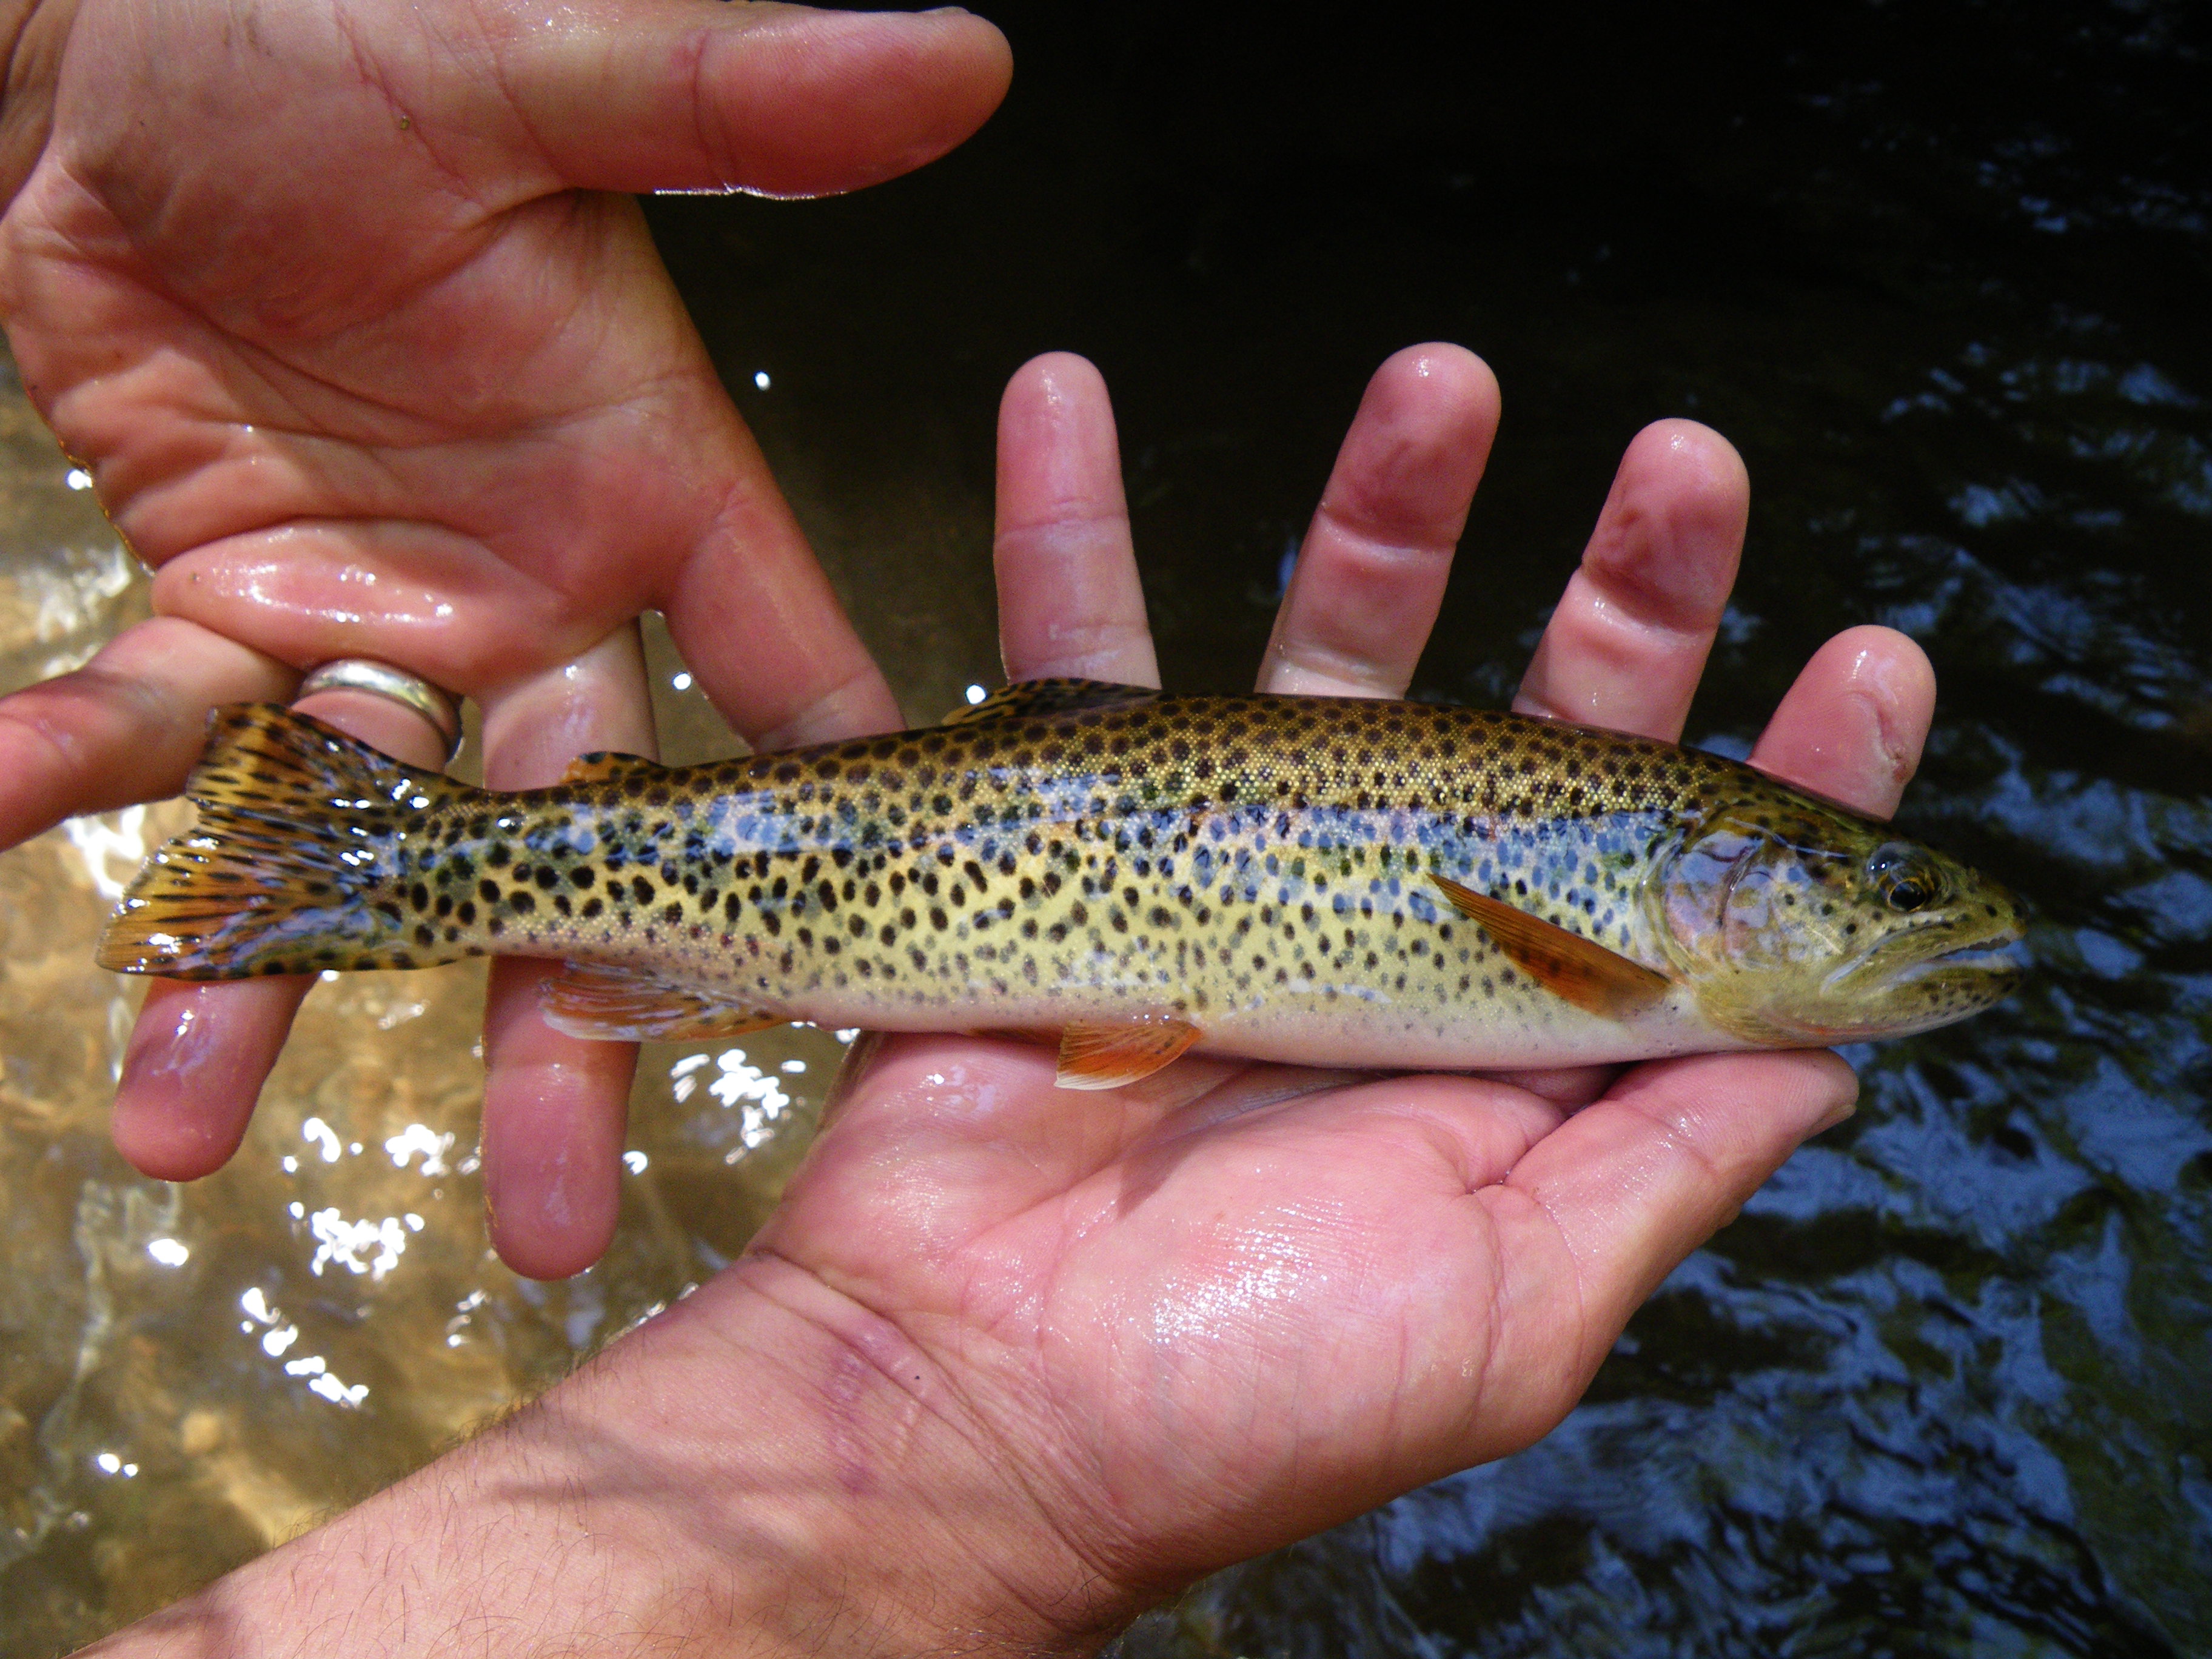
[(343, 308), (1218, 1309)]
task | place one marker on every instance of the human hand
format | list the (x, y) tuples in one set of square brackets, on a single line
[(1196, 1318), (1009, 1364), (333, 301)]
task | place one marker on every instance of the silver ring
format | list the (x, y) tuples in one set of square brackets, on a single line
[(381, 680)]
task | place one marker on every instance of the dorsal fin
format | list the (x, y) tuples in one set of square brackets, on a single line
[(1097, 1055), (1595, 980), (1027, 699), (603, 763), (630, 1005)]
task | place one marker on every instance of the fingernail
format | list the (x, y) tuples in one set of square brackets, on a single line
[(1835, 1114)]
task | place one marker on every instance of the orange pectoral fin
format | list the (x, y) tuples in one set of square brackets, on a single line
[(1107, 1057), (1595, 980)]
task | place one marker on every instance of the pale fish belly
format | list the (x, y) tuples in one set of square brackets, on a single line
[(1423, 1028)]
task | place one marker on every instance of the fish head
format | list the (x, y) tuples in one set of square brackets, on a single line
[(1798, 921)]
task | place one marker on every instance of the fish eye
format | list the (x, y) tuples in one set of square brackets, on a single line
[(1904, 877)]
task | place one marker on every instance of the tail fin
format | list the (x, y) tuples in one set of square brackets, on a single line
[(298, 862)]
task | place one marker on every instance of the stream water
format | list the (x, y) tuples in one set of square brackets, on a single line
[(1941, 271)]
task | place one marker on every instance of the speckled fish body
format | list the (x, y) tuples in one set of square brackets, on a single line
[(1319, 880)]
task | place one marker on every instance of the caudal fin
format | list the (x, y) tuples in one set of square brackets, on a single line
[(297, 863)]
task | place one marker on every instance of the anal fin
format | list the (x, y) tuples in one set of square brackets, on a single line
[(1041, 1036), (1595, 980), (1107, 1057), (629, 1004)]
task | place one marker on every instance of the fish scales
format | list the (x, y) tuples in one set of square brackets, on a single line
[(1242, 860), (1264, 869)]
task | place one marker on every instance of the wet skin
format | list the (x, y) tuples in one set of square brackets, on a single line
[(993, 1369)]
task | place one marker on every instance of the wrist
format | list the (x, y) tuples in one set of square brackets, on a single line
[(900, 1526), (764, 1468)]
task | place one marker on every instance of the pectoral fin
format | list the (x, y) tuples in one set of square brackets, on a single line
[(1107, 1057), (1595, 980), (623, 1005)]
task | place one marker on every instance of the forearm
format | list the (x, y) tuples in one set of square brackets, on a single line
[(762, 1470)]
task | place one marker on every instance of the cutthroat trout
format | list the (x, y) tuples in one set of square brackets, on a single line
[(1318, 880)]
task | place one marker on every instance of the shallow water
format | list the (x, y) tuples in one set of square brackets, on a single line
[(1942, 276), (189, 1374)]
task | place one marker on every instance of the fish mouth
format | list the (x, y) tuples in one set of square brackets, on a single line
[(2000, 960), (1978, 972), (1997, 957)]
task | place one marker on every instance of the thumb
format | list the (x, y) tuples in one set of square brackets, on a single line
[(779, 100), (1601, 1210)]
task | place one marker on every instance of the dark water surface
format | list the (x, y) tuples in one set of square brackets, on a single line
[(1941, 272)]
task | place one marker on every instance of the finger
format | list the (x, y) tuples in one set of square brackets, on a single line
[(1570, 1088), (1629, 639), (125, 727), (199, 1053), (1598, 1211), (850, 1082), (1371, 572), (781, 100), (555, 1112), (1852, 726), (755, 620), (556, 1107), (1070, 602), (400, 592), (193, 1069)]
